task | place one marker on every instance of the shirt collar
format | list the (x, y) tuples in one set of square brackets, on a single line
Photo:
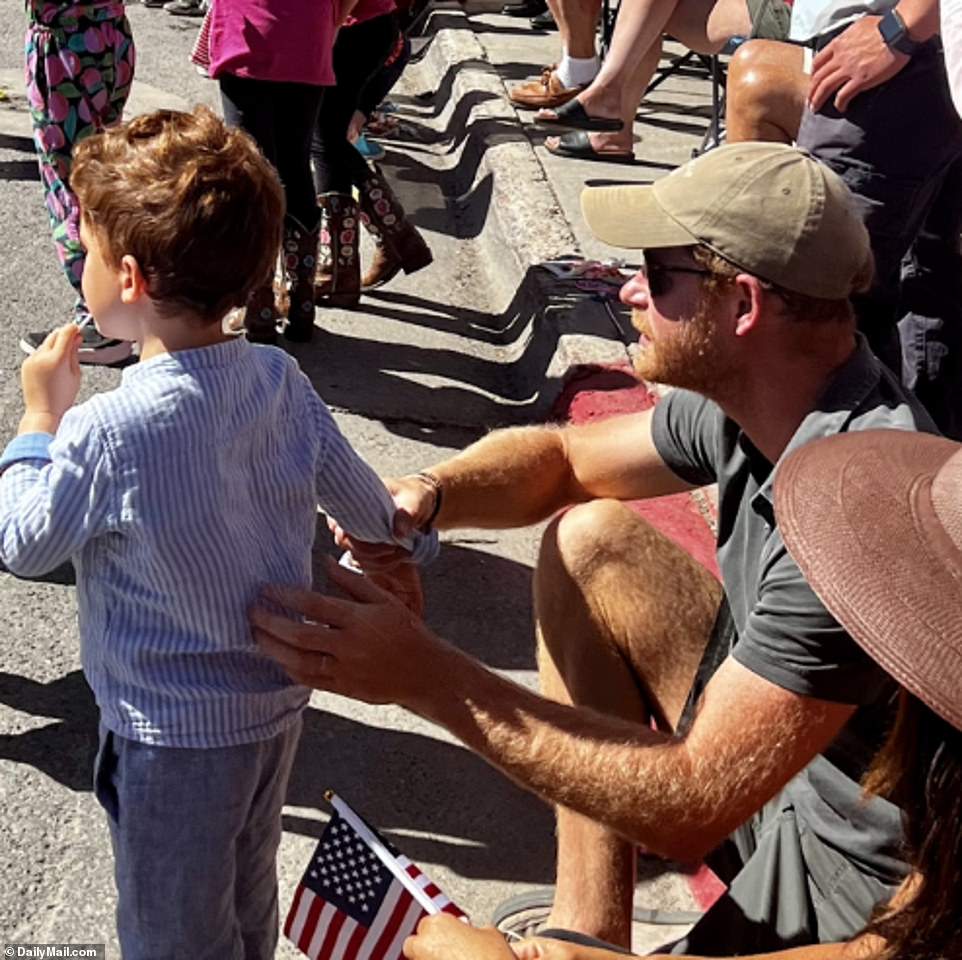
[(843, 395), (199, 358)]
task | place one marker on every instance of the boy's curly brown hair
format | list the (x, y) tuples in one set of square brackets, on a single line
[(191, 199)]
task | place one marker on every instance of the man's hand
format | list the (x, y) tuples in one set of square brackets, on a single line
[(856, 60), (443, 937), (403, 582), (414, 498), (544, 948), (369, 647), (51, 380)]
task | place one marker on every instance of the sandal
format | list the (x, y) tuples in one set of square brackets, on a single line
[(578, 146), (572, 114)]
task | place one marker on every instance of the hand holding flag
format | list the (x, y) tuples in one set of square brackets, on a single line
[(360, 898)]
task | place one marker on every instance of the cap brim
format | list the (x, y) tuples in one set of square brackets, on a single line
[(856, 514), (630, 216)]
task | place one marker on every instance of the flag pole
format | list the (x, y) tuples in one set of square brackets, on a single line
[(380, 851)]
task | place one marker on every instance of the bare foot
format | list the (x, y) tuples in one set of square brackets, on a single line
[(594, 103), (599, 101)]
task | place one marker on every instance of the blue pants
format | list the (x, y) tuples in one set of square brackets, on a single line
[(195, 836), (899, 149)]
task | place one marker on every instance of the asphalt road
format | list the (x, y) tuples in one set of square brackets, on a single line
[(420, 370)]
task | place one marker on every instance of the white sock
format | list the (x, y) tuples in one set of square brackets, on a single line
[(577, 71)]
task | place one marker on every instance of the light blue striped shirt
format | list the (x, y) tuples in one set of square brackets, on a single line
[(179, 495)]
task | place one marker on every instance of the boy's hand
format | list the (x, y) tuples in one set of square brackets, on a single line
[(51, 380)]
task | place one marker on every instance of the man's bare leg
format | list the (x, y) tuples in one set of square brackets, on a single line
[(619, 88), (577, 21), (623, 617), (766, 91)]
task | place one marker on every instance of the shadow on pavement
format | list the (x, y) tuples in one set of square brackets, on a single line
[(486, 828), (19, 170), (481, 603), (64, 751), (401, 383)]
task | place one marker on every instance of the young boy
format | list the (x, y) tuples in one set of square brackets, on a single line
[(179, 495)]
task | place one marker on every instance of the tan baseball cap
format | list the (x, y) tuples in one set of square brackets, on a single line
[(768, 208)]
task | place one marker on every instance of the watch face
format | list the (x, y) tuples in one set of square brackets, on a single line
[(891, 28), (896, 35)]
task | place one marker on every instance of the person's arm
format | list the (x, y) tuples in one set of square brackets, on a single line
[(519, 476), (858, 59), (344, 9), (351, 493), (442, 937), (747, 740), (54, 488), (522, 475)]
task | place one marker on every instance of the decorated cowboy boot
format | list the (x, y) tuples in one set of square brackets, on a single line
[(300, 263), (337, 282), (260, 316), (398, 244)]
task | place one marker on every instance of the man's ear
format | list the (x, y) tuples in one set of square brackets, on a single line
[(750, 292), (133, 284)]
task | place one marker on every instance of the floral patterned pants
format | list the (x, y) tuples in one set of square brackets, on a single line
[(79, 67)]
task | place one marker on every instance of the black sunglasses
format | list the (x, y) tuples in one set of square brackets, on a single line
[(657, 275)]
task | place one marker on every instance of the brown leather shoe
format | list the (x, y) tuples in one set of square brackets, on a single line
[(546, 92)]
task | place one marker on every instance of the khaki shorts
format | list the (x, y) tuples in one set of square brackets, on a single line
[(770, 19)]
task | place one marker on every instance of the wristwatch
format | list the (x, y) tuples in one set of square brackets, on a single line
[(896, 35)]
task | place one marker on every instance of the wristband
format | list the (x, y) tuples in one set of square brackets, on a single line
[(895, 34), (438, 494)]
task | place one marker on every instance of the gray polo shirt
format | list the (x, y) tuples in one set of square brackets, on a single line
[(785, 634)]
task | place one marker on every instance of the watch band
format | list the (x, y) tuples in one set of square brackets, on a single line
[(895, 34)]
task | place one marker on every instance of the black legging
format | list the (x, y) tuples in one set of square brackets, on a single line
[(281, 118), (381, 84), (359, 52)]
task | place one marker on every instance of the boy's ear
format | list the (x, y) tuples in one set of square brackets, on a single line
[(133, 284)]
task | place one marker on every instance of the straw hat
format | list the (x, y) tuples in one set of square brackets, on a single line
[(874, 521)]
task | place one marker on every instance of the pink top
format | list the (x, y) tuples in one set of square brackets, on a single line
[(288, 41)]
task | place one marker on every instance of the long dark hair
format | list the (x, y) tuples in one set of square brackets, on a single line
[(920, 769)]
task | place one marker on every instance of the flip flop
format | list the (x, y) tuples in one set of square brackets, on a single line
[(572, 114), (577, 146)]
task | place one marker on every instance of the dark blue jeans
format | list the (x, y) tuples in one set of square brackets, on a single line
[(195, 835), (899, 149)]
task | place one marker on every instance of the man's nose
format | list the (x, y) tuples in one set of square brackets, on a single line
[(635, 292)]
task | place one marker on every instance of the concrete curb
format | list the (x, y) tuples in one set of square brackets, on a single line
[(526, 224), (529, 218)]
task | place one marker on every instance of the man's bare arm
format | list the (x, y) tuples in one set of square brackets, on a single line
[(442, 937), (747, 740), (516, 477), (520, 476)]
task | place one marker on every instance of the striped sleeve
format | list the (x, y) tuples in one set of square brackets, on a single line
[(355, 496), (52, 504)]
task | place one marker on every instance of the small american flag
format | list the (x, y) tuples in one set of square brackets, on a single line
[(359, 899)]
